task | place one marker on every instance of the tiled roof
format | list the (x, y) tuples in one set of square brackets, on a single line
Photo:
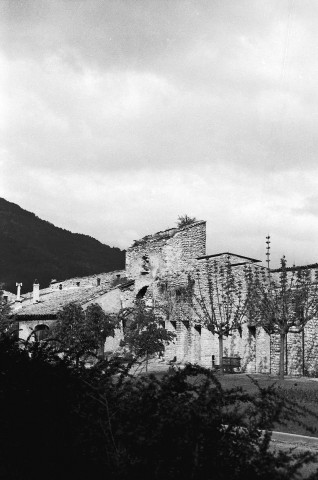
[(51, 301)]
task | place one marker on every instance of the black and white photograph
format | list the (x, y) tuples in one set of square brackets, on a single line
[(158, 239)]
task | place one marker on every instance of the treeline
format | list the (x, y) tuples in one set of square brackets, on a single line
[(34, 248)]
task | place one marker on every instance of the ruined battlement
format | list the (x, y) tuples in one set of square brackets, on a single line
[(174, 249)]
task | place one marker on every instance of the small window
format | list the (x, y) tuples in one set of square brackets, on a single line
[(98, 282), (60, 286), (5, 298), (145, 265), (78, 284)]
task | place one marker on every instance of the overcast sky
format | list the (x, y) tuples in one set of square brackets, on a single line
[(118, 116)]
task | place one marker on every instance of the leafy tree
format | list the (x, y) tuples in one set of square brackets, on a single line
[(100, 326), (79, 334), (70, 333), (144, 336), (219, 301), (283, 301), (184, 220)]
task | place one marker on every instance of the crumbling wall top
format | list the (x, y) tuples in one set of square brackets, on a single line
[(165, 234)]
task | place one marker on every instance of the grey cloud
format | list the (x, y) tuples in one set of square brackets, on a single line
[(122, 88)]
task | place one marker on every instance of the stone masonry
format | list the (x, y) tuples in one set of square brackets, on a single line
[(158, 270)]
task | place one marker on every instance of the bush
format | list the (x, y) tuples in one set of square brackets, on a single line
[(58, 421)]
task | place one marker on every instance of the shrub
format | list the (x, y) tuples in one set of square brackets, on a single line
[(59, 421)]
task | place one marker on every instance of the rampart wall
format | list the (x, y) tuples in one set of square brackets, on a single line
[(169, 252)]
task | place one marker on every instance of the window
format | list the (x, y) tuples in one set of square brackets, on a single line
[(98, 282), (145, 267)]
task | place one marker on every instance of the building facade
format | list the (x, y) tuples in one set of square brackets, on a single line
[(173, 258)]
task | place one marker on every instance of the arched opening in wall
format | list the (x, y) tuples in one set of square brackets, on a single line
[(41, 332), (252, 331), (142, 292), (198, 328)]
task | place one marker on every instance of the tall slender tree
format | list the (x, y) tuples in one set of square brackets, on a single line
[(282, 301), (219, 300)]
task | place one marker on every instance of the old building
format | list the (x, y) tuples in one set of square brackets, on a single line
[(171, 257)]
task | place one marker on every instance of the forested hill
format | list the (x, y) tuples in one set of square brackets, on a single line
[(33, 248)]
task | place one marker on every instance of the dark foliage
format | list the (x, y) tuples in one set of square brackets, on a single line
[(80, 334), (60, 422), (34, 248), (143, 334)]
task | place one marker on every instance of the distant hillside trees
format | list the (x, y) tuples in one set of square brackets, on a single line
[(34, 248)]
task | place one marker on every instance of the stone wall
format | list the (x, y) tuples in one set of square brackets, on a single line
[(168, 260), (167, 252), (301, 355)]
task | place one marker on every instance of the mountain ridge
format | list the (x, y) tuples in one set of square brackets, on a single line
[(31, 247)]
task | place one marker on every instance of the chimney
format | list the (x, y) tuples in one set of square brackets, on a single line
[(18, 285), (36, 292)]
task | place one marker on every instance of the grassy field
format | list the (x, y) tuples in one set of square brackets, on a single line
[(302, 392)]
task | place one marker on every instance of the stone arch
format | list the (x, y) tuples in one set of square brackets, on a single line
[(142, 292), (41, 331)]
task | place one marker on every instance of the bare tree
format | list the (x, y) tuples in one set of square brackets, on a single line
[(219, 300), (283, 300)]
